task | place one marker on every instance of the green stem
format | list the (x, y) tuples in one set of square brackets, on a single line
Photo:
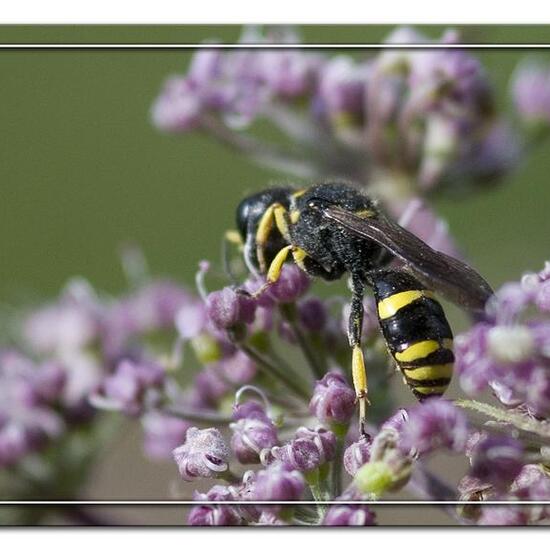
[(317, 363), (336, 469), (267, 367), (314, 481), (206, 417), (516, 419)]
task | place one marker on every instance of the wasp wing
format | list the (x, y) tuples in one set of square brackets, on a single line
[(454, 279)]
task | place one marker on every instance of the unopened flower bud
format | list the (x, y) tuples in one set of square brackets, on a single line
[(291, 284), (178, 108), (277, 482), (308, 450), (204, 454), (133, 386), (228, 308), (333, 400), (313, 314), (433, 425), (250, 437), (497, 459), (357, 454)]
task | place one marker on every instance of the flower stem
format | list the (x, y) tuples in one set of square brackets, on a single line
[(516, 419), (317, 364), (267, 154), (206, 417), (336, 469), (266, 366)]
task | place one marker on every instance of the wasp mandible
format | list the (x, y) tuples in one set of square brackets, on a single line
[(331, 229)]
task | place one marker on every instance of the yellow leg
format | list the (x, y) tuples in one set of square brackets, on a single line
[(265, 226), (359, 374), (275, 215), (234, 237), (275, 268), (282, 220)]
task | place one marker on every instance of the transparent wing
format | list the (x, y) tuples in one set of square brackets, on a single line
[(454, 279)]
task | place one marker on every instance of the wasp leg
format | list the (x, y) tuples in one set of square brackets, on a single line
[(276, 266), (355, 327), (275, 215)]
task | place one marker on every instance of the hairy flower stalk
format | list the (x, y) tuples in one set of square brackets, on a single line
[(404, 124)]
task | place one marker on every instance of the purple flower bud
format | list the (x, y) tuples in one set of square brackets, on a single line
[(162, 434), (308, 450), (473, 366), (238, 368), (191, 319), (357, 454), (210, 385), (212, 515), (433, 425), (206, 65), (532, 483), (249, 410), (497, 459), (313, 314), (288, 73), (343, 88), (291, 285), (277, 482), (349, 515), (131, 387), (13, 444), (542, 298), (179, 106), (228, 308), (264, 300), (250, 437), (204, 454), (531, 92), (396, 421), (49, 381), (61, 327), (333, 400)]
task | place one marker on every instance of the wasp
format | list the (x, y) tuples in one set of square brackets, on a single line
[(331, 229)]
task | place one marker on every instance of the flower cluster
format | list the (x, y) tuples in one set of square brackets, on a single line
[(509, 353), (427, 116)]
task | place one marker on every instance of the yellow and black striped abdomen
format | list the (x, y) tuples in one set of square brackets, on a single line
[(417, 333)]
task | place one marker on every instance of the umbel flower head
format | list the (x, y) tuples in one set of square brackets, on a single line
[(508, 353), (427, 115)]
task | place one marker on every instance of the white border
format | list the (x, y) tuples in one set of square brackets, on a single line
[(210, 12), (15, 46)]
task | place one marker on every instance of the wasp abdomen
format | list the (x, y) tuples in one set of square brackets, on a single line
[(417, 333)]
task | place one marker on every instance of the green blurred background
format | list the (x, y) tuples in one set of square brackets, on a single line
[(83, 171)]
